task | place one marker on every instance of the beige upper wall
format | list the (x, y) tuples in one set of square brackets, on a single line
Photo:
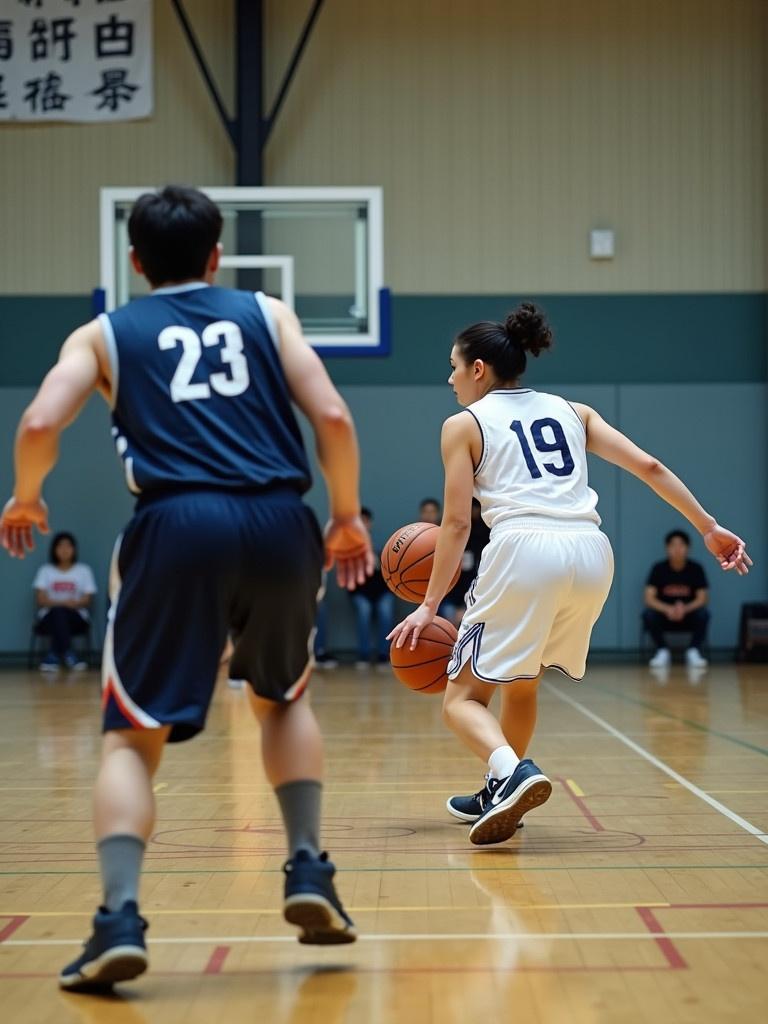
[(503, 130), (50, 175)]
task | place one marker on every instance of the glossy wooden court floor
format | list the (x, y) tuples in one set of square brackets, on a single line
[(638, 893)]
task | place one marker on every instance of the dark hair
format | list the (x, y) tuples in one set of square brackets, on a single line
[(365, 511), (173, 233), (504, 346), (57, 538), (429, 501), (678, 533)]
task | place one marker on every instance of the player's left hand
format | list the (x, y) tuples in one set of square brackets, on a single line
[(348, 544), (412, 625), (728, 549), (17, 523)]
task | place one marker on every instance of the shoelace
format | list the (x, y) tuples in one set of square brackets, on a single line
[(490, 787)]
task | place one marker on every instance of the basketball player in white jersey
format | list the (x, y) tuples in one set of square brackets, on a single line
[(547, 570)]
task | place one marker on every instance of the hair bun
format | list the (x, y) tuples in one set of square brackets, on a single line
[(527, 327)]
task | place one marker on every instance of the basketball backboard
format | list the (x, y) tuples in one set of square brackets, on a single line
[(318, 249)]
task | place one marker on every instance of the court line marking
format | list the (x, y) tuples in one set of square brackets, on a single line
[(527, 869), (747, 826), (227, 912), (216, 960), (667, 948), (576, 795), (678, 718), (222, 940)]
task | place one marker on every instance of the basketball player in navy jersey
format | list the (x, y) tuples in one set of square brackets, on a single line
[(547, 569), (200, 380)]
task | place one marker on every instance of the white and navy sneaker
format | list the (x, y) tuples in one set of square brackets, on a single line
[(311, 902), (525, 789), (470, 808), (115, 952)]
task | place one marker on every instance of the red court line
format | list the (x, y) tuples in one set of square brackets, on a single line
[(216, 962), (596, 825), (13, 924), (716, 906), (667, 946)]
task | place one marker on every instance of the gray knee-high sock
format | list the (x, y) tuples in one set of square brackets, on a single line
[(300, 807), (120, 857)]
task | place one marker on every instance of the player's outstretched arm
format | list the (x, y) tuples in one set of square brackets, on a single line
[(60, 398), (347, 542), (456, 447), (610, 444)]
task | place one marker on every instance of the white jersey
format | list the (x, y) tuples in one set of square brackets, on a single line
[(534, 459)]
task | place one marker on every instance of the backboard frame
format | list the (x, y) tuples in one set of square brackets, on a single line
[(374, 341)]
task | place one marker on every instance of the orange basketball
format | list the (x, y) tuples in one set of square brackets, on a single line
[(406, 561), (425, 668)]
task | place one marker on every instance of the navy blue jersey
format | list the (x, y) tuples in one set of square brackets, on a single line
[(200, 398)]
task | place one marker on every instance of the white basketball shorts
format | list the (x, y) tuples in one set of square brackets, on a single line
[(540, 588)]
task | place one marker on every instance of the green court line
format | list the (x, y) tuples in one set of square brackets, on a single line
[(678, 718), (349, 871)]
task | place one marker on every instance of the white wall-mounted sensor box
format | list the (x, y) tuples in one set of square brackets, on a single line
[(602, 244)]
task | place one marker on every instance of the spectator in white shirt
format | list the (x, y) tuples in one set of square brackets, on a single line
[(64, 589)]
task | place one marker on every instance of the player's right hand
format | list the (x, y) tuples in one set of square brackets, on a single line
[(728, 549), (348, 544), (17, 522)]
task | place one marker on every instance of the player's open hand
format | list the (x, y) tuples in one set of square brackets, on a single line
[(728, 549), (17, 523), (412, 625), (348, 545)]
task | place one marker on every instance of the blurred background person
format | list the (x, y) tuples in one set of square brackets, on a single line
[(374, 606), (430, 511), (676, 594), (64, 589), (453, 606)]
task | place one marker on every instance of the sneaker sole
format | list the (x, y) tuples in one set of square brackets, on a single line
[(321, 923), (122, 963), (501, 822)]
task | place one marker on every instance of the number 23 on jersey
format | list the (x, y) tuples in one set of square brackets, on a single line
[(222, 333)]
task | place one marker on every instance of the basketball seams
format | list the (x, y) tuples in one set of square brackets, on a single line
[(425, 528)]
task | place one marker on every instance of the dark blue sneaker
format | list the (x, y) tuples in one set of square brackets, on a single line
[(470, 808), (521, 792), (115, 952), (311, 902)]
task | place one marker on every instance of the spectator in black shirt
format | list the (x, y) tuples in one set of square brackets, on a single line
[(453, 605), (676, 593), (374, 605)]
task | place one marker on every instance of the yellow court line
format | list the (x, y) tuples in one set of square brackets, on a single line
[(574, 787), (357, 910)]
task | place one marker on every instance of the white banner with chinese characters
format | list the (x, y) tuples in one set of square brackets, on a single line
[(75, 60)]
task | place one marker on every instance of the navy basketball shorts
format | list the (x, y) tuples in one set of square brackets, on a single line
[(191, 568)]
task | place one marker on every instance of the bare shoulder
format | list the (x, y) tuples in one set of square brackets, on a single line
[(89, 335), (461, 427), (584, 412), (285, 318)]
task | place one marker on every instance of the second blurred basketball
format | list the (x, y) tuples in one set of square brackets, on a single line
[(407, 559)]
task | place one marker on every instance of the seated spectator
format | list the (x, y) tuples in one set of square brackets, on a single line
[(323, 657), (374, 604), (452, 606), (64, 589), (430, 511), (675, 596)]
